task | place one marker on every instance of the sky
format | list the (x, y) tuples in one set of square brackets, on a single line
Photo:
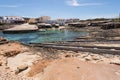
[(82, 9)]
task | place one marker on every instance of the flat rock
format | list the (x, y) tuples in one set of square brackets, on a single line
[(22, 59), (74, 69)]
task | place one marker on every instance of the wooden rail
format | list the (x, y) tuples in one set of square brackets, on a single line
[(86, 48), (94, 41)]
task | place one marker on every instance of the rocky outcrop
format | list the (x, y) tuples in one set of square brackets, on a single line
[(115, 61), (38, 67), (3, 60), (22, 61), (112, 34), (2, 27), (15, 60), (21, 68), (12, 49), (7, 74), (2, 39), (90, 57)]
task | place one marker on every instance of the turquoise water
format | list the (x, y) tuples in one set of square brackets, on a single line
[(47, 36)]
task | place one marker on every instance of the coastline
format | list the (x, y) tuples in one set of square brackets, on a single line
[(39, 63), (60, 40)]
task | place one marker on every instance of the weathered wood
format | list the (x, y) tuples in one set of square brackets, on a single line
[(84, 46), (93, 41), (93, 50), (77, 45)]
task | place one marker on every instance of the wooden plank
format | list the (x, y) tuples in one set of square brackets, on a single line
[(77, 45), (94, 41), (96, 51)]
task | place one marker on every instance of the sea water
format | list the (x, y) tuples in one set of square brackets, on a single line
[(44, 36)]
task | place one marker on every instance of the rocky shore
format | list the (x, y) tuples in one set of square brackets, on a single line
[(21, 62), (2, 27)]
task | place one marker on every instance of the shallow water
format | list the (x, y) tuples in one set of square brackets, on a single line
[(46, 36)]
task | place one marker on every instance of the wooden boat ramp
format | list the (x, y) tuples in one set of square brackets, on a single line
[(97, 47)]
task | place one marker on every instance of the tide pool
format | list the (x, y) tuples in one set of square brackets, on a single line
[(44, 36)]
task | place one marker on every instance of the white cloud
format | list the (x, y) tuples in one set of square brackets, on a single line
[(90, 4), (9, 6), (76, 3), (73, 2)]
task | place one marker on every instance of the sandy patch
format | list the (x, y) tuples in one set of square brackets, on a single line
[(38, 67), (74, 69)]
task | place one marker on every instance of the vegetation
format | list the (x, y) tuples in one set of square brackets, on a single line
[(116, 20), (98, 19)]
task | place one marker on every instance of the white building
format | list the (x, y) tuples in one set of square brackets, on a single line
[(15, 18), (44, 19), (10, 19), (61, 21), (1, 19), (72, 20)]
